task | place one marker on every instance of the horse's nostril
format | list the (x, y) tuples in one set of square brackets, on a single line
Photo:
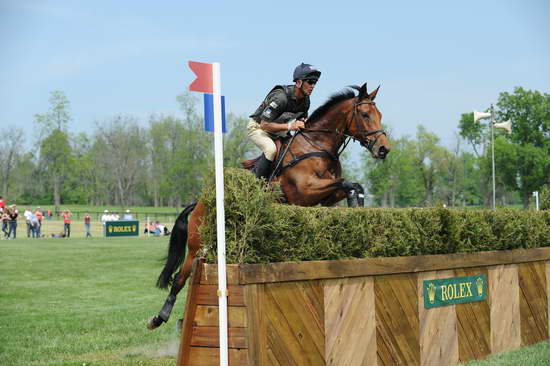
[(382, 152)]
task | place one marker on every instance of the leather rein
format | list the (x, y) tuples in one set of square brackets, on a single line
[(363, 140)]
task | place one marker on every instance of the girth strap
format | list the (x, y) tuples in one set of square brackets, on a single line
[(296, 160)]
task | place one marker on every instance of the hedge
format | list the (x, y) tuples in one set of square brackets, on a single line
[(261, 230)]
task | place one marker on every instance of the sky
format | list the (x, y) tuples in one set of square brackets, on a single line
[(434, 60)]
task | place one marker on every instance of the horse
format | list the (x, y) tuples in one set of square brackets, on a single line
[(309, 173)]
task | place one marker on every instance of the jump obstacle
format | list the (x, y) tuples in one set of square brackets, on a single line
[(370, 311)]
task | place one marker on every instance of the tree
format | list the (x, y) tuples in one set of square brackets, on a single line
[(474, 132), (55, 150), (236, 145), (122, 155), (56, 161), (9, 158), (529, 151), (394, 181)]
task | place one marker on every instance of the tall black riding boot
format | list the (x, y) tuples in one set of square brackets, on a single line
[(263, 168)]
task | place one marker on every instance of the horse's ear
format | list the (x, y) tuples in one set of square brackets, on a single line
[(363, 92), (373, 94)]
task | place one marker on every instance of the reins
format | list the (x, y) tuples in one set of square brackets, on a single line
[(369, 143)]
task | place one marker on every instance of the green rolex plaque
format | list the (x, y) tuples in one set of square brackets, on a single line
[(122, 228), (454, 290)]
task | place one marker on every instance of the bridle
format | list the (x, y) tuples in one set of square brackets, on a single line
[(362, 132)]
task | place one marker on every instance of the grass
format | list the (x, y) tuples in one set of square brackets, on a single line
[(534, 355), (83, 301), (76, 302)]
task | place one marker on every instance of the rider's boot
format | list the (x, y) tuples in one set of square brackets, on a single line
[(263, 167)]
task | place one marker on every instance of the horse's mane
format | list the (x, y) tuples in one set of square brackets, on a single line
[(332, 101)]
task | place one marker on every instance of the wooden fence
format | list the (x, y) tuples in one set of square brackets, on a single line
[(367, 311)]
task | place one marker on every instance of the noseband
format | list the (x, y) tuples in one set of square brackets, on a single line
[(362, 132)]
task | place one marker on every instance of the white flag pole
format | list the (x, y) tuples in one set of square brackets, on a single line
[(220, 213)]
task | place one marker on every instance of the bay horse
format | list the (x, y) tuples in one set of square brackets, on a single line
[(309, 174)]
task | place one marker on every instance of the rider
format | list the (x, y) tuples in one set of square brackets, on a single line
[(283, 109)]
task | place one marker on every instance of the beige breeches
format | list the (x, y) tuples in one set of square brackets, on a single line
[(262, 139)]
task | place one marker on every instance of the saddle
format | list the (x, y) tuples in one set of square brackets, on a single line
[(283, 143)]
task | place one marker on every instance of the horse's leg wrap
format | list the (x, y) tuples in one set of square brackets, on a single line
[(351, 192), (166, 310), (360, 194)]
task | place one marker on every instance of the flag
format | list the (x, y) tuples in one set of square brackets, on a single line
[(209, 113), (204, 81)]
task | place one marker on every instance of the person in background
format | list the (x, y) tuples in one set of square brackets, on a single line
[(5, 219), (28, 215), (39, 216), (87, 224), (35, 226), (2, 204), (160, 228), (13, 221), (67, 223), (50, 214), (127, 215), (115, 216)]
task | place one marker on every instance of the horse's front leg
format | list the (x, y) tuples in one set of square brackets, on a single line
[(179, 283), (354, 193), (325, 191)]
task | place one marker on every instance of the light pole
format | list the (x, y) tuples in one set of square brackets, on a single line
[(505, 125)]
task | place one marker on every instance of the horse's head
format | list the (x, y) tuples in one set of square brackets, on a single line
[(366, 123)]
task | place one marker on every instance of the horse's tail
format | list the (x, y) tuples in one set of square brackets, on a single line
[(176, 248), (250, 164)]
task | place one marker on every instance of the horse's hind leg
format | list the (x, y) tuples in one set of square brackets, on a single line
[(179, 283)]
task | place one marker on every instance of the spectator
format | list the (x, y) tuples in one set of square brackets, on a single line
[(13, 221), (39, 216), (28, 215), (67, 223), (5, 220), (115, 216), (2, 204), (35, 226), (106, 217), (50, 214), (128, 216), (87, 224), (160, 228)]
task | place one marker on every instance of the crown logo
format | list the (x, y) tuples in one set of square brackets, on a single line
[(479, 287), (110, 229), (431, 293)]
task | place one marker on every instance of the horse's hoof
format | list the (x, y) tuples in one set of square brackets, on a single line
[(179, 325), (153, 323)]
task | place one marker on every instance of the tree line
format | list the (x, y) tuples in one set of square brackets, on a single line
[(165, 160)]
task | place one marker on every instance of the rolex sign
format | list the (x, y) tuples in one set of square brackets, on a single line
[(122, 228)]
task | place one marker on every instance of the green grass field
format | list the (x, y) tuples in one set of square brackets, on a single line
[(83, 301), (76, 301)]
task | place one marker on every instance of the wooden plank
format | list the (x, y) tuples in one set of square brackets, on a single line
[(209, 337), (533, 302), (473, 323), (207, 316), (298, 271), (204, 356), (350, 323), (255, 332), (397, 323), (438, 328), (210, 274), (504, 307), (189, 313), (208, 295), (294, 323)]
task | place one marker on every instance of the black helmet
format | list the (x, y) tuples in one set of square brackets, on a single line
[(306, 71)]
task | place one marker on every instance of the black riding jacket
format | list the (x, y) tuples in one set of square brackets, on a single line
[(280, 106)]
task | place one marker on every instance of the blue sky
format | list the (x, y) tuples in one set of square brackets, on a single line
[(434, 59)]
